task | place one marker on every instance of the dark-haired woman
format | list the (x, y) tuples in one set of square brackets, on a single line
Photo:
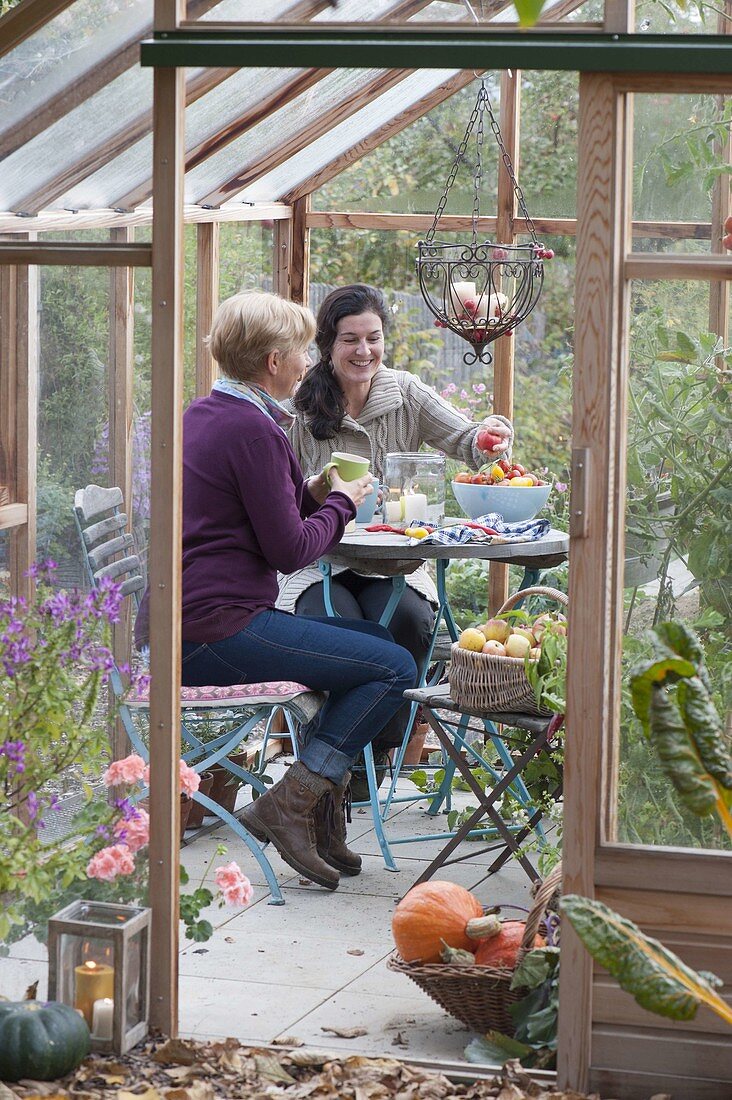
[(350, 401)]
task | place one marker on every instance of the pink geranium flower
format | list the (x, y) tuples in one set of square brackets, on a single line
[(128, 771), (234, 885), (190, 780), (111, 862), (135, 832)]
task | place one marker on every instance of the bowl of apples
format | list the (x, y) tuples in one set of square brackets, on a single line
[(501, 486)]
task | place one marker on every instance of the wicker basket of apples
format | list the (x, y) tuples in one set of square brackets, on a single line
[(488, 663)]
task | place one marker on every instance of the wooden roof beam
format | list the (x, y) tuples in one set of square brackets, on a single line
[(403, 9), (198, 86)]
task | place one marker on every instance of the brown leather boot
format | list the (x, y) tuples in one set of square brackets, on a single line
[(286, 816), (330, 830)]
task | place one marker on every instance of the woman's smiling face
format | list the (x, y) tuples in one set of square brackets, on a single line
[(358, 348)]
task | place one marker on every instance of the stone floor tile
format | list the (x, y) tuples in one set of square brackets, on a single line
[(279, 958), (409, 1025), (249, 1011)]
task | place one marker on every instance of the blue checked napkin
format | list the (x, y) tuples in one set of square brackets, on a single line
[(528, 530)]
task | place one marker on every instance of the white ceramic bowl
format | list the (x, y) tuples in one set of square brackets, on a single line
[(514, 502)]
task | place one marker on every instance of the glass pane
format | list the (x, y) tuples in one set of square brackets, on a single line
[(678, 143), (245, 257), (76, 41), (408, 173), (59, 148), (678, 561)]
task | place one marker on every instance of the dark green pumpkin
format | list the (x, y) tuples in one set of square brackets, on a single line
[(40, 1040)]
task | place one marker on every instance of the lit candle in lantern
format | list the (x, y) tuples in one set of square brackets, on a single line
[(460, 293), (491, 306), (94, 981), (103, 1018)]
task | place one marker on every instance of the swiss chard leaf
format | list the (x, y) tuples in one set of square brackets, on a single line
[(705, 726), (494, 1048), (683, 724), (679, 760), (535, 967), (657, 979)]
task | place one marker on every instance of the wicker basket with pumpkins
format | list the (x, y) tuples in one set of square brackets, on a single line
[(488, 663), (463, 957)]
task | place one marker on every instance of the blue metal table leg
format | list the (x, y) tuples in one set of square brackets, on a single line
[(325, 569)]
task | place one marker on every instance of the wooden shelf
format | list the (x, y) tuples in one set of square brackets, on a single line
[(13, 515)]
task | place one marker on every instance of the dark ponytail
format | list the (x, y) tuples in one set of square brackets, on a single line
[(319, 397)]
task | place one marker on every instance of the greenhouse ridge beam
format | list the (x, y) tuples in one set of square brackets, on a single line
[(441, 47)]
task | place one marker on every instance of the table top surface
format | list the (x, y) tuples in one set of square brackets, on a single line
[(386, 546)]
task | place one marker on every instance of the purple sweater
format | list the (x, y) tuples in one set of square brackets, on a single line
[(247, 513)]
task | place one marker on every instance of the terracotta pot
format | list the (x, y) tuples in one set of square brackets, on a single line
[(198, 812), (413, 755), (225, 786), (185, 812)]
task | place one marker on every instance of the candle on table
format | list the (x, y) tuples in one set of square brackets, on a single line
[(460, 293), (415, 507), (93, 981), (103, 1018), (394, 510)]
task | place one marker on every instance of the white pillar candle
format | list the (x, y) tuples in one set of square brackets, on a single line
[(415, 507), (491, 306), (460, 293), (103, 1018), (394, 510)]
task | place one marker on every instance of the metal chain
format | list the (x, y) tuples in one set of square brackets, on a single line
[(482, 104), (461, 150), (478, 173), (509, 167)]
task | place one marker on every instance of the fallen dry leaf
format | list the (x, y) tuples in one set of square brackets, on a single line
[(286, 1041), (30, 993), (177, 1052), (199, 1090), (354, 951), (345, 1032), (148, 1094), (269, 1067)]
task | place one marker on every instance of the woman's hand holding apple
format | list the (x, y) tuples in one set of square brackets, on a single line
[(494, 436)]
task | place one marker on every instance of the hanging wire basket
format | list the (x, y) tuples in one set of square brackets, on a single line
[(481, 290)]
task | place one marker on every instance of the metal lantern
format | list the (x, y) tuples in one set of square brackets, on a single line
[(483, 290), (99, 964)]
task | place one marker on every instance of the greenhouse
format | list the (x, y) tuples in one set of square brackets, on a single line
[(408, 319)]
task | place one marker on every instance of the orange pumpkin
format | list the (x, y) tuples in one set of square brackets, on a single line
[(502, 950), (433, 914)]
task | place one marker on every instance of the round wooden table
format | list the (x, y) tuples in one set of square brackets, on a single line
[(395, 557)]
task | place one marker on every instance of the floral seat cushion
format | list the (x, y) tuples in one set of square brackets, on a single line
[(274, 692)]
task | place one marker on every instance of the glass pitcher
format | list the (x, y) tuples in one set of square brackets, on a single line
[(415, 488)]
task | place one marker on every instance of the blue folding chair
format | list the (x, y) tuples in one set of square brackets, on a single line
[(109, 552)]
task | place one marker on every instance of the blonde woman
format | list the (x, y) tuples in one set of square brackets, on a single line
[(247, 513)]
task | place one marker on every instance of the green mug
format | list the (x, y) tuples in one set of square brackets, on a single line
[(350, 467)]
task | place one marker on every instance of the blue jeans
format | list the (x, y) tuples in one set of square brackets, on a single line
[(364, 672)]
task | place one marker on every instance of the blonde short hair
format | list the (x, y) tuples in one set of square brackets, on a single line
[(248, 326)]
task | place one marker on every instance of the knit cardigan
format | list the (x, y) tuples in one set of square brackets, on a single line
[(400, 414)]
